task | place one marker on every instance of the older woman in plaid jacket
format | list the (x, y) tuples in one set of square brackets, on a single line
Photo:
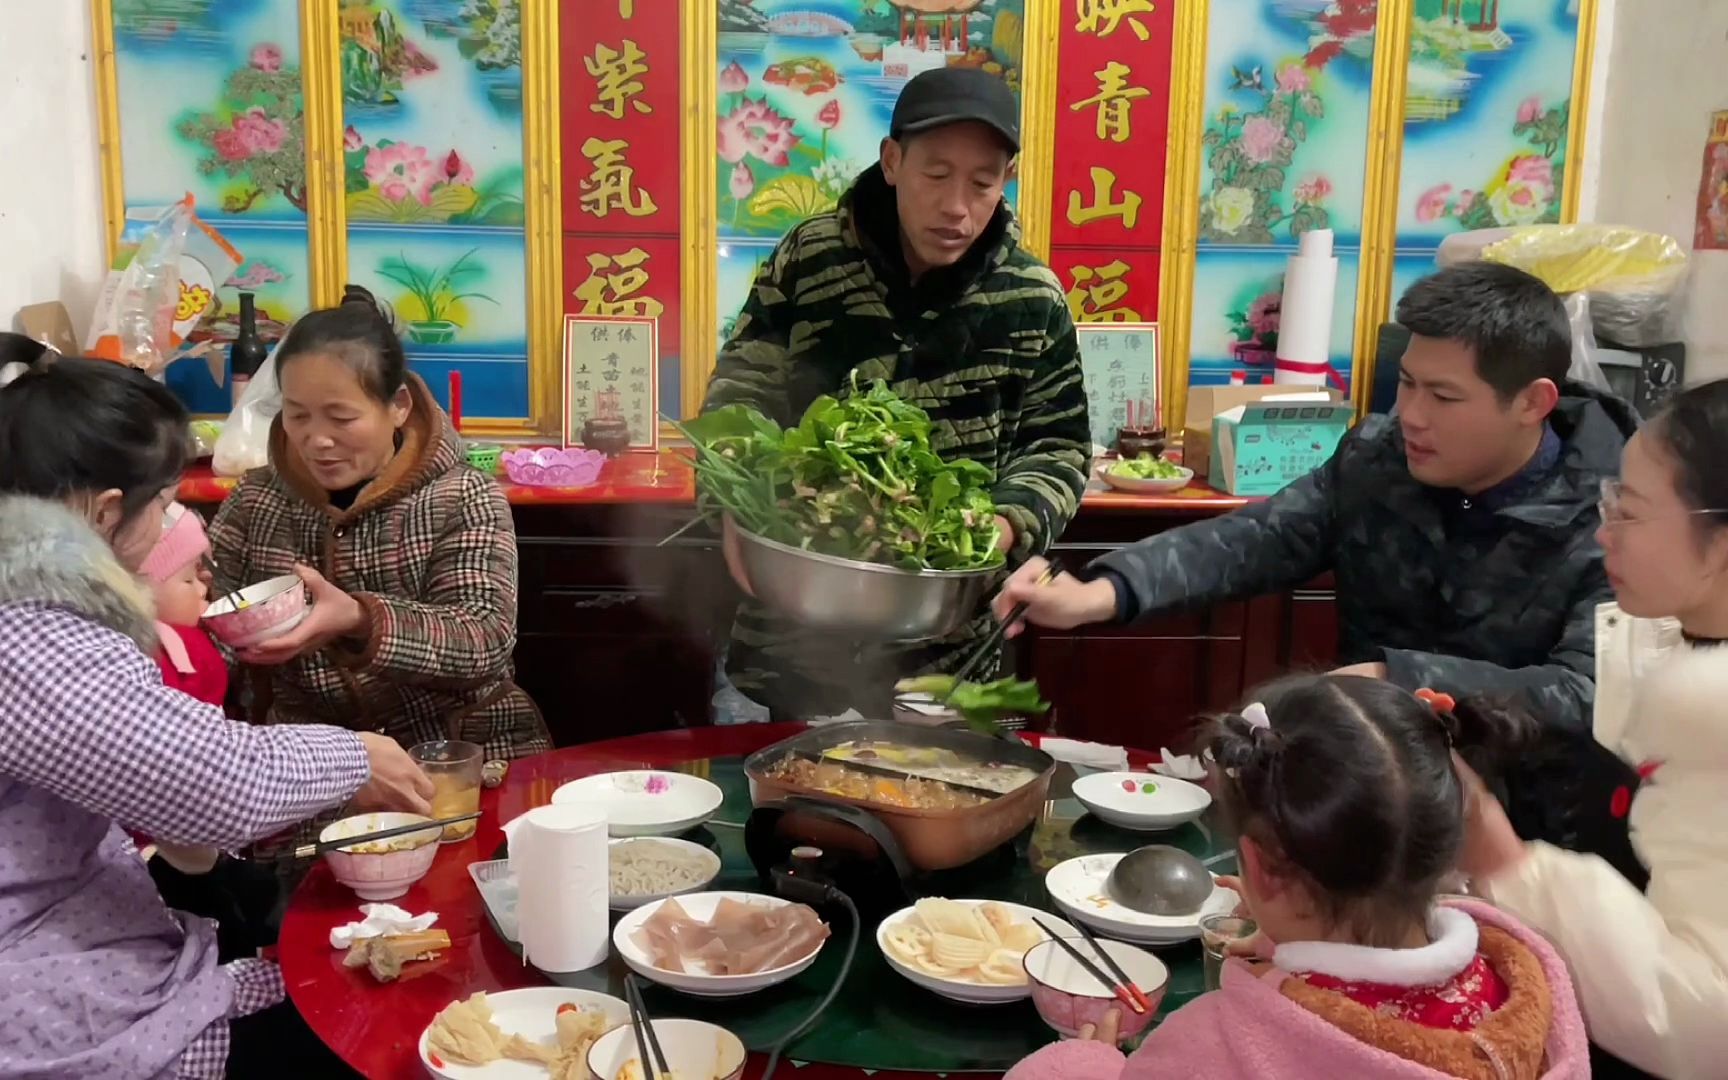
[(409, 554)]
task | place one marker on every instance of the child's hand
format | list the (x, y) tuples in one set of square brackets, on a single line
[(1249, 947), (1108, 1031)]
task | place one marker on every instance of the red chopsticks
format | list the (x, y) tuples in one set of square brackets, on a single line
[(1125, 991), (1128, 984)]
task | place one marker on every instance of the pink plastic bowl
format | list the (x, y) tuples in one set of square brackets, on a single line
[(1069, 998), (552, 467), (383, 875), (271, 608)]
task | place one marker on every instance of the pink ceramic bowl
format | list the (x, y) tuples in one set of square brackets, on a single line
[(552, 467), (381, 875), (1069, 998), (258, 612)]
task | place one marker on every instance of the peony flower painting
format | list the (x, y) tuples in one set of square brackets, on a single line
[(1527, 188), (1250, 156), (253, 135)]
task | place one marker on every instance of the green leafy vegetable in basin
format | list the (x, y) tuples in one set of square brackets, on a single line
[(1146, 467), (856, 479), (982, 705)]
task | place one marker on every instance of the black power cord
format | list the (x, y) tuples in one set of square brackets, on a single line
[(805, 891)]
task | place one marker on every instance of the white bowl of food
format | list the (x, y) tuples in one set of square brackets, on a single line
[(645, 802), (694, 1049), (748, 942), (381, 869), (1142, 802), (561, 1023), (1145, 475), (1080, 888), (971, 951), (649, 868)]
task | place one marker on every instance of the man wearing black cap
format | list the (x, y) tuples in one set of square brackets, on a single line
[(916, 277)]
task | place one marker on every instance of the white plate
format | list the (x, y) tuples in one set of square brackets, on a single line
[(1078, 888), (628, 903), (967, 992), (1145, 487), (700, 906), (530, 1013), (645, 802), (1168, 804)]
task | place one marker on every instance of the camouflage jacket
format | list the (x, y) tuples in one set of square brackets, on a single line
[(986, 347), (1508, 609)]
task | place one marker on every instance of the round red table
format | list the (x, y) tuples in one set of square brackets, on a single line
[(376, 1027)]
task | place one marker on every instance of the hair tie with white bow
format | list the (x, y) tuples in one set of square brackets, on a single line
[(1256, 717)]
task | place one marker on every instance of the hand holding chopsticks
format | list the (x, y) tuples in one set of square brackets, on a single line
[(1042, 594), (1125, 991), (653, 1068)]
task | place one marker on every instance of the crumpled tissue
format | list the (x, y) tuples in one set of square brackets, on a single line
[(380, 919)]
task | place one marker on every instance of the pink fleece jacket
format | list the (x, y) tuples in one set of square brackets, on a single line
[(1250, 1029)]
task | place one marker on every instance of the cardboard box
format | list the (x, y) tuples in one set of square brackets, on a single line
[(1206, 402), (1275, 443)]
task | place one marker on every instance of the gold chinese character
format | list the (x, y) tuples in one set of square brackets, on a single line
[(1114, 100), (626, 9), (619, 73), (611, 184), (1103, 190), (1102, 17), (1097, 291), (611, 286)]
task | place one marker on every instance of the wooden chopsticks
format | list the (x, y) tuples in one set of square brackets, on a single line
[(645, 1037), (1121, 990)]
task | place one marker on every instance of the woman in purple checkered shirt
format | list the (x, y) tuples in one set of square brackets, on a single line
[(98, 978)]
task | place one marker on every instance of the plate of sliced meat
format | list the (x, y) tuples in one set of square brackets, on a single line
[(720, 944)]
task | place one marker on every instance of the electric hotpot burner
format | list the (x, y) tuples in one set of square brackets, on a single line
[(834, 845)]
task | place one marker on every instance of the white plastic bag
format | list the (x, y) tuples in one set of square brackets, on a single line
[(1586, 367), (244, 444)]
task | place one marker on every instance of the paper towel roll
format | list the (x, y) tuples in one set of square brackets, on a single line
[(1305, 323), (560, 858)]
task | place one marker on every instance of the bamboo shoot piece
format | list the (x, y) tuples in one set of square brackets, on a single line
[(386, 954)]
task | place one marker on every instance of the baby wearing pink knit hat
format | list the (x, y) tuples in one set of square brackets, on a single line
[(190, 661)]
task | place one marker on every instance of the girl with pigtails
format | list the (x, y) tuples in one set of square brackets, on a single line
[(1349, 812)]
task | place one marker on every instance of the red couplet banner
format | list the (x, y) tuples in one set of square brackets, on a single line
[(1112, 121), (619, 83)]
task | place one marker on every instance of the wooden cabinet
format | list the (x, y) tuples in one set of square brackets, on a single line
[(617, 622)]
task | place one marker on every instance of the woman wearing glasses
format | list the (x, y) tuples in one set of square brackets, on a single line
[(1651, 966)]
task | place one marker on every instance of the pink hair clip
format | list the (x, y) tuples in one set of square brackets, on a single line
[(1256, 717)]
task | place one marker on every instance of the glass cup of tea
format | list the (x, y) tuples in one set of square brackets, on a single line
[(1218, 933), (455, 770)]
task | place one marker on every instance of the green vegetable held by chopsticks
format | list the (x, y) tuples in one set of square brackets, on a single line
[(857, 478), (982, 705)]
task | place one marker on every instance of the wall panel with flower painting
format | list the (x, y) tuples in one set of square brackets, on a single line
[(1287, 87), (209, 102), (806, 90), (433, 175), (622, 198), (1487, 122), (1486, 117)]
